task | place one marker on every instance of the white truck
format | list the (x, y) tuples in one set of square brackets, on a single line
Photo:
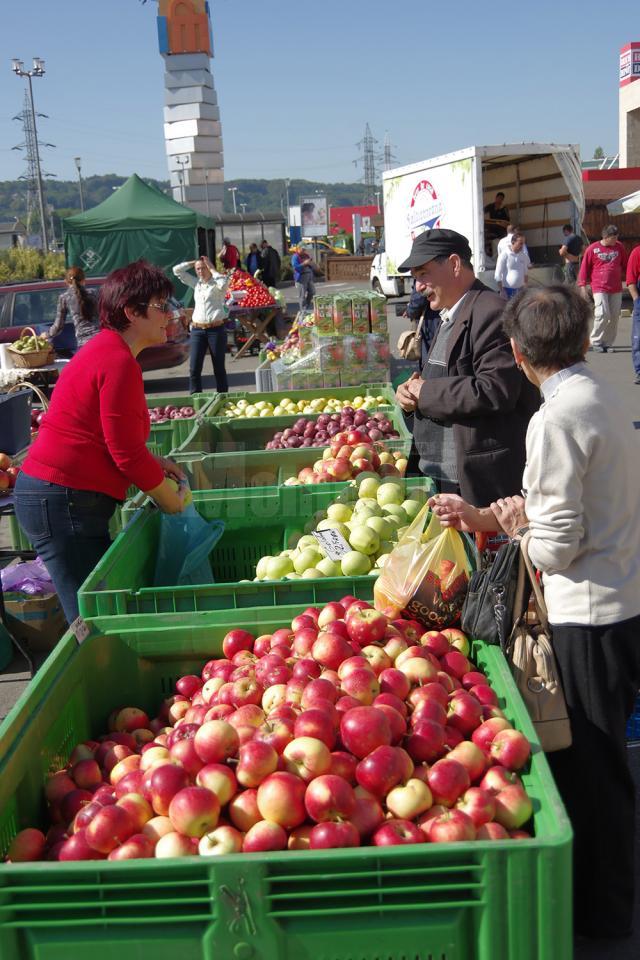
[(542, 183)]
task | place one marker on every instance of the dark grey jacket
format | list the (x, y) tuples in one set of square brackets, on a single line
[(485, 397)]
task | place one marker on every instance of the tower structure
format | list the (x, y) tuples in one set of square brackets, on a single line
[(30, 177), (388, 158), (368, 159), (629, 105), (192, 128)]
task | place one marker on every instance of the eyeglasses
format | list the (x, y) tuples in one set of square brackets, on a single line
[(164, 307)]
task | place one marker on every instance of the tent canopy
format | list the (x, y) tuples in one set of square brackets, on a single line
[(137, 220)]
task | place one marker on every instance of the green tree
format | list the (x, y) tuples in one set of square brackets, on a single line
[(598, 153)]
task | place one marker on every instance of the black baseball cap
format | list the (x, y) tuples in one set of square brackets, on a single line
[(436, 243)]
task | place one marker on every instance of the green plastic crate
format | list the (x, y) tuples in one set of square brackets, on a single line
[(238, 436), (165, 437), (258, 521), (340, 393), (503, 900)]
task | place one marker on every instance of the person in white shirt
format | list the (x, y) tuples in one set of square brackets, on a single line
[(512, 266), (505, 243), (207, 325), (583, 511)]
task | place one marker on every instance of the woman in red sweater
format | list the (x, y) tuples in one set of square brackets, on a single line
[(91, 445)]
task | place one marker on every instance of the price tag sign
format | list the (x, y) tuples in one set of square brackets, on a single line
[(80, 629), (333, 543)]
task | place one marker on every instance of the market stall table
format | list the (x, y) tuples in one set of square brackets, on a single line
[(255, 320)]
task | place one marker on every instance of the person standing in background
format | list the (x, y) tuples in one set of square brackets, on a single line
[(253, 261), (79, 305), (633, 283), (603, 267), (570, 252), (271, 264), (505, 243), (512, 267), (301, 264), (208, 331), (229, 255)]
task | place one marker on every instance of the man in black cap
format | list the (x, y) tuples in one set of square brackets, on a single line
[(471, 403)]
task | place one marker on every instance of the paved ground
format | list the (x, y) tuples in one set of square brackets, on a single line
[(615, 366)]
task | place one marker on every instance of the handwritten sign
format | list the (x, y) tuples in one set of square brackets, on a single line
[(333, 543)]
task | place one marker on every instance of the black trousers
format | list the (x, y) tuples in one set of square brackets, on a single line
[(600, 672)]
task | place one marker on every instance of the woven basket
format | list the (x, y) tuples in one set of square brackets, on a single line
[(36, 358)]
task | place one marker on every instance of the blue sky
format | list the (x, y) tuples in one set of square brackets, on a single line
[(297, 82)]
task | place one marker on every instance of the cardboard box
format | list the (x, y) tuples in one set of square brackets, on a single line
[(37, 621), (342, 321)]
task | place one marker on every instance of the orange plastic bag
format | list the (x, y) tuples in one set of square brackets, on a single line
[(426, 576)]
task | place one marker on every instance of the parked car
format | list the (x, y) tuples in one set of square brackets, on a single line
[(33, 303)]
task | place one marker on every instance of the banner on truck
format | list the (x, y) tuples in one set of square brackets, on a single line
[(424, 200), (314, 214)]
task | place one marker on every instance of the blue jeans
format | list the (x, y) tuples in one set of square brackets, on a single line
[(69, 530), (213, 339), (635, 335)]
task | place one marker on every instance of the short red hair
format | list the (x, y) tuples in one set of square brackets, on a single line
[(131, 286)]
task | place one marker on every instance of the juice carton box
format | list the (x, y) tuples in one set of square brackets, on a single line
[(342, 320), (378, 320), (378, 351), (323, 315), (360, 315)]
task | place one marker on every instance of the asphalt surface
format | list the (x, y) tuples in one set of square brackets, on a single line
[(615, 366)]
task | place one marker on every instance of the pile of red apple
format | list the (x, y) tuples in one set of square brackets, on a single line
[(170, 412), (8, 473), (342, 427), (341, 730), (343, 461)]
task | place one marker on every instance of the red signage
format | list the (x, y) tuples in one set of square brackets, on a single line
[(629, 63)]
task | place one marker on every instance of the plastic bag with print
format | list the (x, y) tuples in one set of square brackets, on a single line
[(427, 574)]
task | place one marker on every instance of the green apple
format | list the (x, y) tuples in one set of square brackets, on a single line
[(312, 573), (368, 503), (355, 564), (395, 510), (364, 540), (390, 492), (278, 567), (342, 528), (364, 514), (339, 511), (382, 527), (382, 559), (261, 567), (329, 568), (307, 541), (411, 508), (306, 558), (369, 486), (292, 576)]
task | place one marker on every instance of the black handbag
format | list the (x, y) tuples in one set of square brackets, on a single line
[(487, 613)]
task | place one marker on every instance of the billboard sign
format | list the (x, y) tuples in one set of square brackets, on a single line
[(315, 216)]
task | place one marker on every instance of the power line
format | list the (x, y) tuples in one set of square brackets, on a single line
[(368, 159)]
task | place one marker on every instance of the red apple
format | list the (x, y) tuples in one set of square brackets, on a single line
[(138, 809), (110, 827), (164, 782), (243, 809), (361, 684), (343, 765), (173, 845), (483, 735), (333, 835), (513, 807), (367, 816), (362, 729), (380, 771), (129, 719), (77, 848), (317, 723), (331, 611), (215, 741), (366, 625), (409, 800), (478, 804), (497, 778), (447, 780), (397, 723), (306, 757), (27, 845), (236, 640), (220, 842), (137, 847), (86, 774), (464, 713), (330, 649), (194, 811), (435, 642), (471, 757), (491, 831), (396, 682), (397, 832), (220, 779), (484, 694), (425, 743), (455, 663), (280, 798), (454, 826), (256, 760), (511, 749)]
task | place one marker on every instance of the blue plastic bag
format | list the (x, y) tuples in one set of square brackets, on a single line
[(186, 540)]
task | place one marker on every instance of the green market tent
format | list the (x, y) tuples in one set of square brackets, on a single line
[(136, 221)]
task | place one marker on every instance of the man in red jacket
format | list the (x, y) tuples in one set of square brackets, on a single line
[(602, 269)]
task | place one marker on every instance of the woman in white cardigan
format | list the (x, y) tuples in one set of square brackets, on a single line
[(582, 507)]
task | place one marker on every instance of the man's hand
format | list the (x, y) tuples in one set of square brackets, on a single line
[(404, 397), (510, 514)]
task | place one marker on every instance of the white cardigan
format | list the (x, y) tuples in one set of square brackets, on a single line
[(582, 480)]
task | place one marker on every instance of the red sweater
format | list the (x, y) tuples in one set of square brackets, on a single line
[(602, 268), (94, 434), (633, 267)]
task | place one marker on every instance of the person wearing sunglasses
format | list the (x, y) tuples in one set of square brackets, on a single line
[(91, 444)]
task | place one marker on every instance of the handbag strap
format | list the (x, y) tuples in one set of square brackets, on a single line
[(418, 332), (526, 568)]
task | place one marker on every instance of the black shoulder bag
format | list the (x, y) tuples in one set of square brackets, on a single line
[(487, 613)]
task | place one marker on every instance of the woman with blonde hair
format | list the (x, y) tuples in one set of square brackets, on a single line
[(79, 305)]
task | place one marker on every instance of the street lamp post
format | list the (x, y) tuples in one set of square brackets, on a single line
[(206, 191), (244, 207), (286, 186), (36, 71), (378, 200), (184, 162), (232, 191), (78, 163)]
